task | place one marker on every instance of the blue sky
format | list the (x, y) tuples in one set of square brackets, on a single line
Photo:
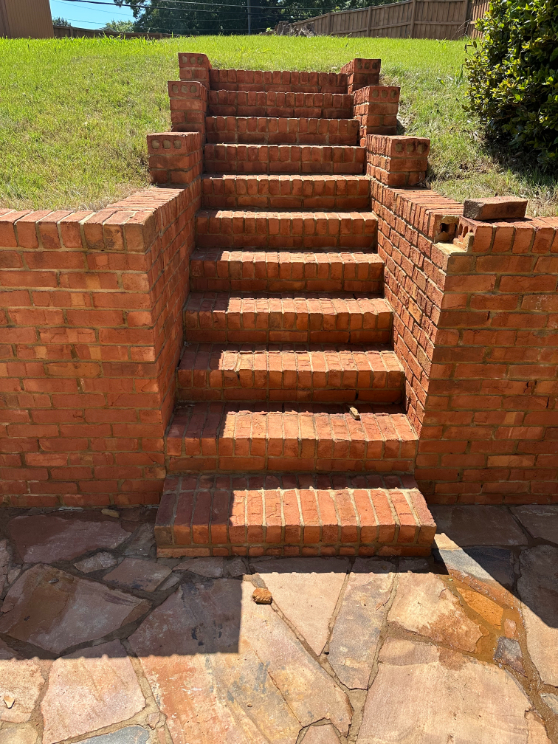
[(88, 16)]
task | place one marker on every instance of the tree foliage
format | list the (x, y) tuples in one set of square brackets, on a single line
[(513, 76), (120, 26), (61, 22), (229, 16)]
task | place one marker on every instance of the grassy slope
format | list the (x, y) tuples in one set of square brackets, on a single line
[(74, 113)]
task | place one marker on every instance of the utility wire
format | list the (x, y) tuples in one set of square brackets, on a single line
[(196, 2)]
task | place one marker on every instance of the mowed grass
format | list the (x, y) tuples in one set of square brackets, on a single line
[(74, 112)]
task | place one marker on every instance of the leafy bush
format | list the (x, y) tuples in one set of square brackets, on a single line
[(513, 76)]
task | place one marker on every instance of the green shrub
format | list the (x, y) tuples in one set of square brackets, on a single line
[(513, 76)]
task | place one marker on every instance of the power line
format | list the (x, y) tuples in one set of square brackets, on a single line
[(196, 2)]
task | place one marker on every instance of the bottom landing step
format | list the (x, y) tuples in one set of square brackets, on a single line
[(287, 515)]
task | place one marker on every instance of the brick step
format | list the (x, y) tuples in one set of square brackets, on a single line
[(283, 230), (221, 270), (328, 373), (278, 80), (289, 515), (220, 317), (290, 105), (287, 159), (280, 131), (332, 192), (289, 437)]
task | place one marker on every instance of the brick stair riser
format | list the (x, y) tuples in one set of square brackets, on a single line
[(278, 131), (279, 81), (289, 515), (289, 374), (220, 318), (215, 437), (310, 230), (270, 271), (284, 192), (285, 159), (282, 105)]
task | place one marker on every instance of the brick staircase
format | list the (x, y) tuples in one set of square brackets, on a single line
[(289, 435)]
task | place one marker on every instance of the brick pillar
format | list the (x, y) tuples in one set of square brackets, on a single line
[(397, 161), (361, 72), (175, 158), (194, 67), (376, 108), (188, 104)]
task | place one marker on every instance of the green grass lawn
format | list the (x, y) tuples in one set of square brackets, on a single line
[(74, 112)]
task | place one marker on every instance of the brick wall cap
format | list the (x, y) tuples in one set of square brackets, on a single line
[(495, 208)]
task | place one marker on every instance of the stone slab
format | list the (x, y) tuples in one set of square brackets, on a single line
[(356, 633), (54, 610), (4, 564), (128, 735), (225, 669), (424, 604), (96, 562), (142, 543), (321, 735), (425, 694), (47, 538), (211, 568), (306, 591), (508, 651), (540, 521), (538, 589), (89, 690), (21, 682), (485, 564), (26, 734), (139, 574), (469, 526)]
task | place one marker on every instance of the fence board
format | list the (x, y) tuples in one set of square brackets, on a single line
[(418, 19)]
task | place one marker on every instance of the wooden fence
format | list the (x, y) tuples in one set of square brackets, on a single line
[(61, 32), (410, 19)]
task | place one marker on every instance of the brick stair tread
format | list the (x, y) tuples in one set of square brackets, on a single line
[(281, 318), (286, 372), (284, 104), (289, 270), (293, 514), (287, 159), (275, 130), (243, 228), (282, 80), (337, 192), (289, 437)]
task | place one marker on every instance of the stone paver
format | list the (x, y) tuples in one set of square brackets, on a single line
[(26, 734), (211, 568), (271, 683), (306, 591), (459, 648), (128, 735), (436, 696), (540, 521), (485, 564), (466, 526), (321, 735), (4, 563), (46, 538), (424, 604), (21, 682), (88, 690), (354, 642), (54, 610), (96, 562), (538, 589), (142, 543), (137, 573), (508, 651)]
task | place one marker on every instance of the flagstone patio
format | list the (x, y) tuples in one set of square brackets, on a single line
[(101, 642)]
